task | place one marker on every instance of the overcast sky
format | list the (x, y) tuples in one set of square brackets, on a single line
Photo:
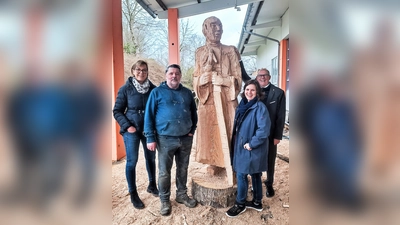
[(232, 21)]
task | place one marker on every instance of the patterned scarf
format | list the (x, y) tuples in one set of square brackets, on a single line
[(141, 88)]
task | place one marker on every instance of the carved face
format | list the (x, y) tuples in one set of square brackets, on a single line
[(212, 29)]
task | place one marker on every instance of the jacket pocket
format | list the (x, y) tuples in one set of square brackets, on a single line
[(243, 141)]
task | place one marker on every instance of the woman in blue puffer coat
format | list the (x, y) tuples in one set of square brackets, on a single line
[(250, 147), (129, 113)]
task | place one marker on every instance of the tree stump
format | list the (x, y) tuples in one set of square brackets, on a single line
[(213, 191)]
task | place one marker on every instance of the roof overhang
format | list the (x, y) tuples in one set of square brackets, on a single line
[(261, 17), (186, 8)]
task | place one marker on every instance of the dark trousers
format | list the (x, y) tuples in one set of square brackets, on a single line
[(168, 149), (272, 149)]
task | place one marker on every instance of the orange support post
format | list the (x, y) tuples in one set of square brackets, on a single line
[(283, 64), (118, 65), (173, 36), (35, 24), (103, 69)]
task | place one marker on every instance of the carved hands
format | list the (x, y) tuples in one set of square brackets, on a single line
[(221, 81), (217, 80), (212, 77), (205, 78)]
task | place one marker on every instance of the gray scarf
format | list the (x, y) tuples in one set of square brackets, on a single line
[(141, 88)]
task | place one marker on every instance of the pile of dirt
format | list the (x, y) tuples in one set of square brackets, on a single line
[(156, 70)]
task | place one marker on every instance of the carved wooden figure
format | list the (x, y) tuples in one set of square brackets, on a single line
[(217, 82)]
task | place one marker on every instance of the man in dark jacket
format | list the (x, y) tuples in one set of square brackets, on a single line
[(169, 125), (275, 101)]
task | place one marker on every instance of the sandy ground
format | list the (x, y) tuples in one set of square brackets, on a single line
[(275, 210)]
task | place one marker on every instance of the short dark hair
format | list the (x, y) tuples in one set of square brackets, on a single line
[(260, 94), (173, 66)]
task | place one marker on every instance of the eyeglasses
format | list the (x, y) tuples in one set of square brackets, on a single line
[(262, 75), (139, 70)]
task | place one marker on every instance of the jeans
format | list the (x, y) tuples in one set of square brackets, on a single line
[(168, 147), (132, 141), (243, 185), (272, 149)]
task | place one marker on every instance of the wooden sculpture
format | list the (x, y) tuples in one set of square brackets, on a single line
[(217, 82)]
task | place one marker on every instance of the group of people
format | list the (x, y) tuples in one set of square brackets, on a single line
[(165, 118)]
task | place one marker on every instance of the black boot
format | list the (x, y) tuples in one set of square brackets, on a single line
[(270, 191), (152, 188), (137, 203)]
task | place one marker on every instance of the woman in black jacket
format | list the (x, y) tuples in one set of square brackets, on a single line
[(129, 113)]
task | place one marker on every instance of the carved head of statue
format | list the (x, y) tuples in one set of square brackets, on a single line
[(212, 29)]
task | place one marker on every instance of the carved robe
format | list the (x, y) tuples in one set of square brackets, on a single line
[(222, 60)]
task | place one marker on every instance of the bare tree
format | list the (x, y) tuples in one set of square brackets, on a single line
[(148, 37), (130, 11), (137, 27), (158, 43), (188, 43), (250, 64)]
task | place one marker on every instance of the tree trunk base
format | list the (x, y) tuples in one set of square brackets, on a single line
[(214, 192)]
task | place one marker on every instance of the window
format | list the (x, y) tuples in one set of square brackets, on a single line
[(274, 71)]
